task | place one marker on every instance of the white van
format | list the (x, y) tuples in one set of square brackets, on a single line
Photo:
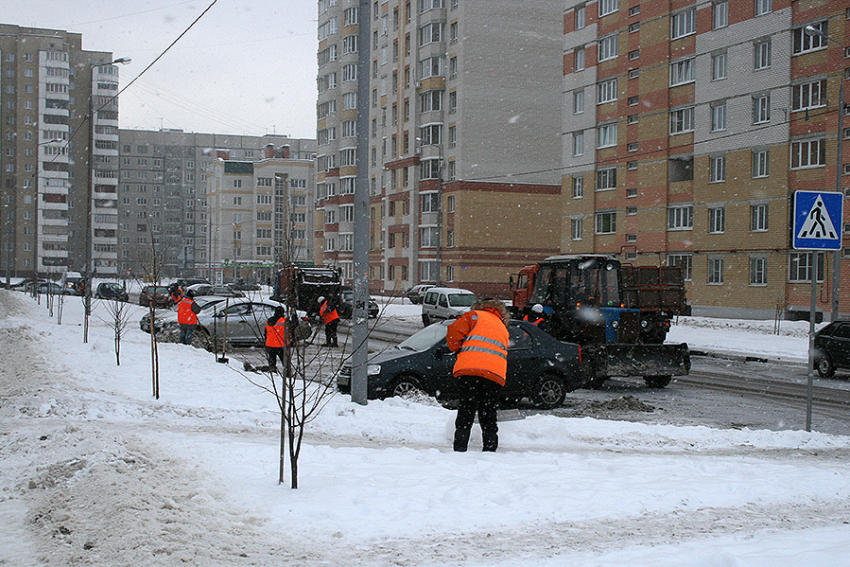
[(445, 303)]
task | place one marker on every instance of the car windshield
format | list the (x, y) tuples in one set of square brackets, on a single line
[(424, 339), (461, 299)]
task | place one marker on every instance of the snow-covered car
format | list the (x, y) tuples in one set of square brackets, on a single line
[(540, 367), (220, 290)]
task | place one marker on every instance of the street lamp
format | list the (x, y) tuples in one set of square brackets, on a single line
[(810, 30)]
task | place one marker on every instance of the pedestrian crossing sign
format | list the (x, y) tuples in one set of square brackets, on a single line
[(818, 220)]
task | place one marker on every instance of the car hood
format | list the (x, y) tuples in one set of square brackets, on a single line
[(394, 354)]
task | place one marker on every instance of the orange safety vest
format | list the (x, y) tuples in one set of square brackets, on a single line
[(185, 315), (276, 336), (484, 351), (536, 322), (327, 316)]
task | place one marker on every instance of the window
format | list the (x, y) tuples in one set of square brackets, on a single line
[(761, 163), (682, 120), (718, 117), (351, 16), (608, 47), (682, 72), (429, 168), (761, 108), (349, 44), (800, 267), (680, 217), (809, 95), (608, 7), (431, 33), (431, 134), (680, 169), (684, 261), (578, 143), (431, 67), (606, 179), (607, 136), (578, 56), (606, 222), (717, 169), (763, 7), (804, 42), (581, 16), (578, 101), (349, 72), (452, 102), (578, 187), (349, 129), (634, 100), (762, 54), (721, 14), (607, 91), (576, 228), (429, 237), (631, 211), (716, 220), (635, 54), (634, 73), (715, 270), (808, 153), (634, 27), (430, 100), (758, 217), (684, 23), (758, 270)]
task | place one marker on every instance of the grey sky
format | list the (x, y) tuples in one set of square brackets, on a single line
[(247, 67)]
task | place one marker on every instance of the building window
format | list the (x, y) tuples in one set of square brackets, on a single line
[(576, 228), (762, 54), (682, 120), (717, 169), (721, 14), (680, 217), (680, 169), (606, 179), (682, 72), (763, 7), (758, 271), (715, 270), (606, 91), (800, 266), (606, 222), (608, 7), (608, 47), (578, 144), (809, 95), (758, 217), (718, 117), (803, 42), (578, 101), (578, 56), (716, 220), (761, 108), (581, 16), (607, 136), (634, 54), (808, 153), (578, 187), (761, 163), (683, 23), (684, 261)]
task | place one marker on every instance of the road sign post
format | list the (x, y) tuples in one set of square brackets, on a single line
[(818, 218)]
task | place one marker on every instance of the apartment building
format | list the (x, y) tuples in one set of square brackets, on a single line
[(688, 126), (163, 199), (48, 87), (462, 155), (261, 215)]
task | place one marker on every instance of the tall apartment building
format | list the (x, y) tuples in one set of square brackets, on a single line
[(48, 86), (687, 128), (463, 137), (163, 198), (261, 215)]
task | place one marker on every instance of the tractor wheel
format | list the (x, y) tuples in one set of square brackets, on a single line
[(657, 381)]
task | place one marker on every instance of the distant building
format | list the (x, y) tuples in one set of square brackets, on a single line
[(163, 197)]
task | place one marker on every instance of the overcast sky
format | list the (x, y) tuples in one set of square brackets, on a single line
[(246, 67)]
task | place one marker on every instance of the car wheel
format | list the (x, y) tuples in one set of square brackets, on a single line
[(549, 391), (405, 386), (825, 367), (426, 320), (657, 381)]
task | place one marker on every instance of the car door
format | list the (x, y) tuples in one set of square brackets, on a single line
[(523, 363), (441, 365), (839, 345), (235, 318)]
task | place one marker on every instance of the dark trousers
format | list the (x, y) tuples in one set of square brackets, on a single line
[(480, 395), (273, 355), (330, 333), (186, 333)]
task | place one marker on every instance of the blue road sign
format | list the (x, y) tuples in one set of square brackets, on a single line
[(818, 220)]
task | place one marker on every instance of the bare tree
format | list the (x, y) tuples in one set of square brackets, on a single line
[(119, 318)]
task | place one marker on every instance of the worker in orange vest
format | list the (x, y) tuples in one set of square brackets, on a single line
[(187, 317), (277, 338), (330, 317), (480, 339), (537, 317)]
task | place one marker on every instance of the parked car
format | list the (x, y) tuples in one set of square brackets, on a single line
[(158, 294), (184, 283), (50, 288), (111, 290), (74, 282), (221, 290), (346, 304), (832, 348), (540, 367), (240, 284), (166, 317), (245, 321), (445, 303), (417, 292)]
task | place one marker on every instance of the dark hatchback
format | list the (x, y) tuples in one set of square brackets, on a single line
[(111, 290), (346, 304), (832, 348), (157, 294), (540, 367)]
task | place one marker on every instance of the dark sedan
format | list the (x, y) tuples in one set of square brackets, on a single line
[(539, 367), (111, 290), (832, 348)]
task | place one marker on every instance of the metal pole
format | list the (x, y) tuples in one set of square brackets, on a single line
[(812, 314), (836, 255)]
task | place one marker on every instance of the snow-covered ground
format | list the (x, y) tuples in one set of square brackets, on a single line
[(95, 471)]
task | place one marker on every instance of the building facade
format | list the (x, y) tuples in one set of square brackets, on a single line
[(462, 140), (48, 88), (688, 127), (163, 200)]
